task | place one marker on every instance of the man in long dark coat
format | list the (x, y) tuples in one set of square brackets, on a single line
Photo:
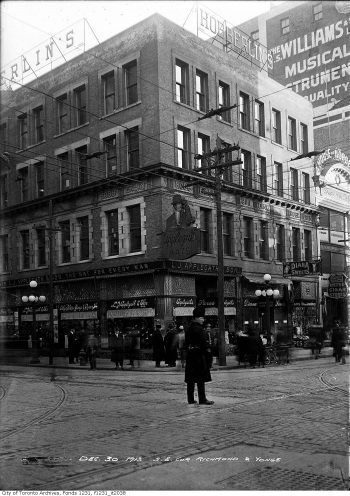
[(197, 370), (158, 345)]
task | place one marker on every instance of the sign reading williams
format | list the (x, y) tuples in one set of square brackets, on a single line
[(303, 268)]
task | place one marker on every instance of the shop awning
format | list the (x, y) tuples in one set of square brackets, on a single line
[(260, 279)]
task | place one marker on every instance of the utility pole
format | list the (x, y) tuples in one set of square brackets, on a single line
[(219, 166), (51, 324)]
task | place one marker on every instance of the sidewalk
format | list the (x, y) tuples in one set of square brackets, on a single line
[(296, 354)]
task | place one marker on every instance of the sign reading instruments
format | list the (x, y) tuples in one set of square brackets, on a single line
[(304, 268)]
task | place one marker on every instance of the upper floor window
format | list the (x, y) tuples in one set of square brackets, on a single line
[(23, 130), (203, 148), (64, 170), (25, 252), (276, 126), (248, 249), (183, 147), (110, 147), (3, 136), (201, 91), (285, 25), (259, 117), (130, 81), (83, 236), (227, 233), (113, 232), (226, 158), (317, 12), (304, 146), (255, 35), (22, 178), (182, 82), (108, 88), (263, 240), (244, 111), (261, 173), (278, 179), (132, 145), (134, 214), (307, 245), (205, 229), (40, 247), (246, 176), (294, 184), (224, 101), (39, 179), (4, 190), (280, 234), (292, 134), (38, 115), (296, 244), (65, 245), (82, 165), (62, 113), (4, 253), (305, 187), (79, 102)]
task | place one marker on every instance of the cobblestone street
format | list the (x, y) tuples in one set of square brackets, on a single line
[(277, 428)]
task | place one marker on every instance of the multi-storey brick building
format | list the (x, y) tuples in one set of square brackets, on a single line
[(311, 51), (95, 151)]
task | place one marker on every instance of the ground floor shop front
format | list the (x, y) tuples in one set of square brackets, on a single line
[(137, 297)]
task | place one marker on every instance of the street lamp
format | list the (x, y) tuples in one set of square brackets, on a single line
[(33, 299), (267, 293)]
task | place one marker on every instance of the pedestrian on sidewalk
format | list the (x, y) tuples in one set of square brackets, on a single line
[(338, 342), (181, 345), (158, 345), (117, 355), (170, 343), (197, 370), (91, 355)]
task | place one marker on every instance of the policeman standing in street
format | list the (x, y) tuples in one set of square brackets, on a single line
[(197, 369)]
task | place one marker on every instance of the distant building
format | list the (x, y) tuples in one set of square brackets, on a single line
[(311, 48), (94, 153)]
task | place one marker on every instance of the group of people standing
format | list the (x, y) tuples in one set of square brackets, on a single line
[(169, 348), (124, 345)]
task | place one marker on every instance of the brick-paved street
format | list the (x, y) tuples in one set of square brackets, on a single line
[(281, 427)]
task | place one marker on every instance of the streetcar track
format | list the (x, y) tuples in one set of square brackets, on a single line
[(329, 385), (43, 416)]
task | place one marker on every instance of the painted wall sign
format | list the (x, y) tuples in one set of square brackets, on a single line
[(302, 268), (233, 39), (315, 63)]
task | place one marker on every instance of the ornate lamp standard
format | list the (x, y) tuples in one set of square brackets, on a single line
[(268, 293), (33, 299)]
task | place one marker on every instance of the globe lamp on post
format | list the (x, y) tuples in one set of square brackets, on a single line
[(268, 293), (33, 299)]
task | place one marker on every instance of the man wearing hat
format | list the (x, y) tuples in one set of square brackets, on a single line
[(197, 370), (158, 345), (181, 217)]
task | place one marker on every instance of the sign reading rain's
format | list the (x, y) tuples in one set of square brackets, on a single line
[(314, 59)]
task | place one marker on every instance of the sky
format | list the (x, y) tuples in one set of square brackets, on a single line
[(27, 24)]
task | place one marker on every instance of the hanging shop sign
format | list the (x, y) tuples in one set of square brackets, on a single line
[(181, 243), (131, 307), (78, 311), (303, 268), (337, 286)]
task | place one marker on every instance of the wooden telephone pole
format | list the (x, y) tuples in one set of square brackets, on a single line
[(216, 163)]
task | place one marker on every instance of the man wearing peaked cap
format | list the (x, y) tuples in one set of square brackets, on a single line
[(197, 370)]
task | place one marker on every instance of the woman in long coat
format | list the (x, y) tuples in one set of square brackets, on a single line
[(197, 370), (158, 346)]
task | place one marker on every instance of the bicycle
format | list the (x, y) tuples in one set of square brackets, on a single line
[(271, 355)]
